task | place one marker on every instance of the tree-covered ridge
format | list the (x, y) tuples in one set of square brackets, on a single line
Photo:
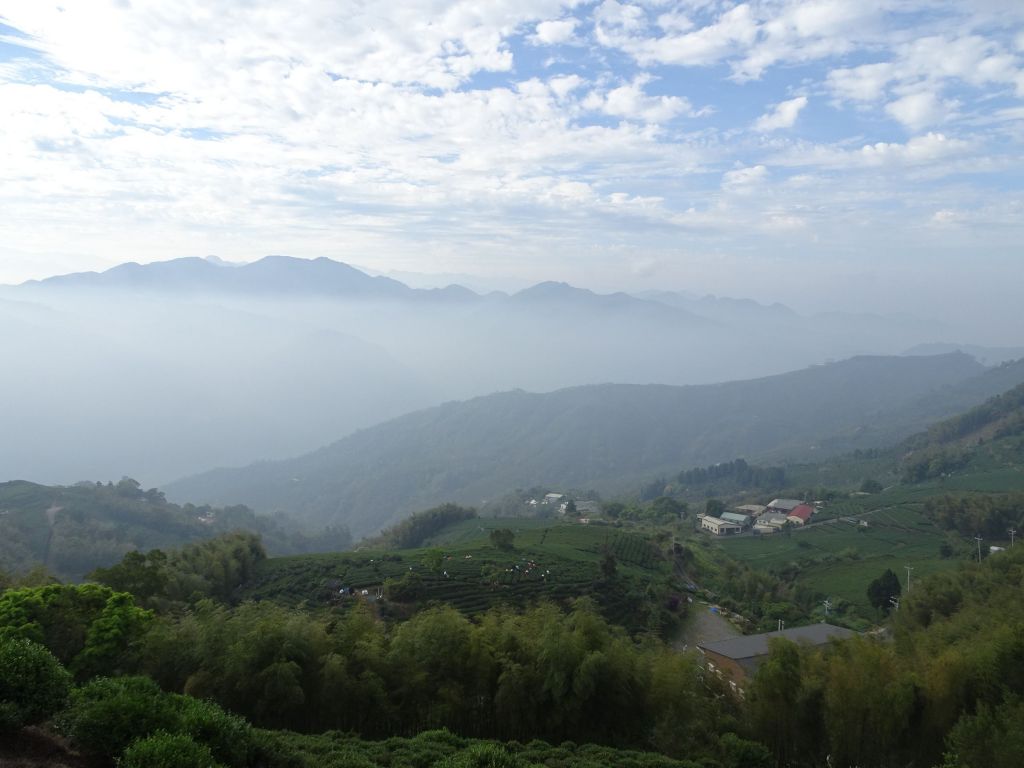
[(999, 416), (733, 475), (71, 530), (420, 526), (992, 432), (608, 437)]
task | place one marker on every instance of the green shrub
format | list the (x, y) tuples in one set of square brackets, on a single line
[(441, 736), (229, 737), (483, 756), (271, 749), (108, 714), (168, 750), (33, 684)]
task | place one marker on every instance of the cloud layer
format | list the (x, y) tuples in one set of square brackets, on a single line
[(531, 139)]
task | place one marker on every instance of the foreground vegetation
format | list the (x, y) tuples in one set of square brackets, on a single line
[(454, 641), (216, 683)]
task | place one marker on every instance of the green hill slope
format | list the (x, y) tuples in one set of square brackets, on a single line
[(606, 437), (556, 561), (72, 529), (962, 478)]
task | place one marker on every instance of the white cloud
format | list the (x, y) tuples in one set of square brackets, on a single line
[(564, 85), (864, 83), (241, 126), (920, 110), (744, 180), (555, 32), (624, 27), (782, 115), (188, 45), (919, 151), (631, 102)]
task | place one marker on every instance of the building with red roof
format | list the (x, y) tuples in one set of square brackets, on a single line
[(800, 514)]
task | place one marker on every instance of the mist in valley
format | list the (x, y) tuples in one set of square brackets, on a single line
[(163, 371)]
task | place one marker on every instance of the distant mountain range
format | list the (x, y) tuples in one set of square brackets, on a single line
[(166, 369), (603, 437), (279, 275)]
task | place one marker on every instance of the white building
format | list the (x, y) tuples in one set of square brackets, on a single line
[(718, 526)]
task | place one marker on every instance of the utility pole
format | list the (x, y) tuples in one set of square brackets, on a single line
[(909, 569), (827, 605), (978, 539), (782, 625), (1012, 532)]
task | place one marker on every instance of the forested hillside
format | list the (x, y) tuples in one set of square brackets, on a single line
[(192, 672), (609, 437), (69, 530)]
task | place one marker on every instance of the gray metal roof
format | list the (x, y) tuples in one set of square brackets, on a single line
[(748, 646), (786, 504), (735, 517)]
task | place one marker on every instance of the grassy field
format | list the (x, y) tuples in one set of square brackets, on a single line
[(840, 558), (550, 560)]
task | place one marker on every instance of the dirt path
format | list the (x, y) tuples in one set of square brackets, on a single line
[(703, 625), (51, 514)]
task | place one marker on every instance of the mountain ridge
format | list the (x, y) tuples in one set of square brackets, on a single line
[(599, 436)]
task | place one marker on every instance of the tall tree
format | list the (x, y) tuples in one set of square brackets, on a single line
[(882, 589)]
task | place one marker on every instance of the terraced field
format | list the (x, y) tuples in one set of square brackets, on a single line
[(840, 558), (550, 561)]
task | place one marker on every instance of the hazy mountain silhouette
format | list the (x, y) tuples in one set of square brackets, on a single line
[(604, 437), (165, 369)]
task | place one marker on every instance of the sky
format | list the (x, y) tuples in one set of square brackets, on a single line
[(838, 153)]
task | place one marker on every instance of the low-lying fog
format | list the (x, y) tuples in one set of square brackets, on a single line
[(100, 383)]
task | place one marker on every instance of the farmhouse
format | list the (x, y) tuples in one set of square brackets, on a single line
[(801, 514), (738, 658), (774, 519), (718, 526), (754, 510), (734, 517)]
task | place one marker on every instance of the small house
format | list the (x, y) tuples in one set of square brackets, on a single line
[(735, 517), (718, 526), (801, 515), (754, 510)]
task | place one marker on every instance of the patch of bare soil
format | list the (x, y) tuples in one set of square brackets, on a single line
[(37, 748)]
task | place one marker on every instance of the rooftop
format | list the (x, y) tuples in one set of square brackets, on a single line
[(750, 646), (804, 512), (786, 504)]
